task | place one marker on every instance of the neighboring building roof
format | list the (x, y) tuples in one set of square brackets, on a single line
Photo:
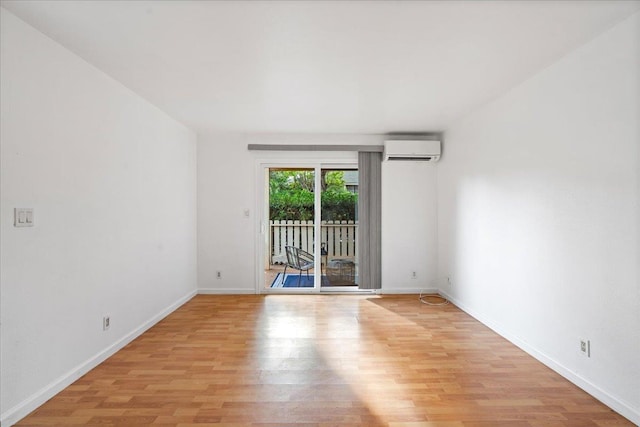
[(350, 177)]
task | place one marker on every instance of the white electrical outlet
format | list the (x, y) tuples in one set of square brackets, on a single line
[(219, 274), (585, 347), (414, 275), (106, 323)]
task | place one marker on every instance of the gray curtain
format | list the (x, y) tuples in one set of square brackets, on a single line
[(369, 212)]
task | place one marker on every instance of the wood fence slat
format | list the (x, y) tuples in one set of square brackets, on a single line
[(274, 236), (339, 237), (296, 234), (323, 235), (304, 240), (342, 235), (330, 239), (310, 236), (351, 239), (283, 236)]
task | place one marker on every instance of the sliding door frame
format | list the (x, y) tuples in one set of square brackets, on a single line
[(262, 216)]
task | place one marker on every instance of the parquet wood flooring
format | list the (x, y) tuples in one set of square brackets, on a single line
[(321, 360)]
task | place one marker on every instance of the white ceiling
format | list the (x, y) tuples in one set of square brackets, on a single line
[(328, 67)]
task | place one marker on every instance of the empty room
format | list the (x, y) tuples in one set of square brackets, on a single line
[(320, 213)]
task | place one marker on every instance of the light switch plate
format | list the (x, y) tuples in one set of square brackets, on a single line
[(23, 217)]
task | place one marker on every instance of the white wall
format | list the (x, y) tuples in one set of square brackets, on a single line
[(539, 215), (225, 235), (112, 182), (227, 185), (409, 232)]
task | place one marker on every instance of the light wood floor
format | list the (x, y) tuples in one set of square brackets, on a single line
[(322, 360)]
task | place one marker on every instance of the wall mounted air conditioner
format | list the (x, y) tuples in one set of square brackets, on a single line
[(412, 150)]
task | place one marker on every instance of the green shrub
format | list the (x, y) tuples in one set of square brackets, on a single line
[(298, 205), (339, 206)]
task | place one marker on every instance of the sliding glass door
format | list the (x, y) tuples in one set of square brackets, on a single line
[(291, 228), (339, 226), (300, 253)]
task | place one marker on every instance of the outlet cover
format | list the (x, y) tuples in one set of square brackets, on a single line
[(585, 347), (23, 217)]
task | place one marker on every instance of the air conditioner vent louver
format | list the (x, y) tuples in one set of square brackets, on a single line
[(411, 159), (412, 150)]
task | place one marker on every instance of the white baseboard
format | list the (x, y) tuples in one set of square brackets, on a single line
[(621, 407), (383, 291), (402, 291), (226, 291), (32, 402)]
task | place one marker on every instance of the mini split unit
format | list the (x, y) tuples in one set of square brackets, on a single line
[(412, 150)]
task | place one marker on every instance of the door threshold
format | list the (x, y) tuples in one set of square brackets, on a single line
[(345, 290)]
